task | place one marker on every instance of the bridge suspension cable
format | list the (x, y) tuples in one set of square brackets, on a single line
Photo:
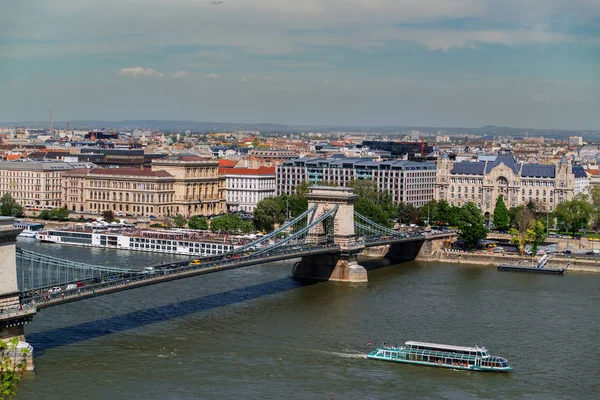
[(374, 225), (276, 232), (299, 233), (40, 271), (361, 230)]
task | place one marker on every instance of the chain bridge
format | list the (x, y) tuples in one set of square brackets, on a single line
[(326, 240)]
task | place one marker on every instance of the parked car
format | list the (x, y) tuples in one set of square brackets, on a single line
[(499, 249)]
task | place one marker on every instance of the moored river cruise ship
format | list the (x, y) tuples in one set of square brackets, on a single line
[(173, 241), (441, 355)]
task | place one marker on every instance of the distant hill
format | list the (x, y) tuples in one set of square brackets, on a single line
[(204, 127)]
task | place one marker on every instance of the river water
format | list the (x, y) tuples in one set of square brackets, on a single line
[(255, 333)]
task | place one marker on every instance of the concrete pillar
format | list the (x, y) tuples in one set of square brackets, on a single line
[(13, 317)]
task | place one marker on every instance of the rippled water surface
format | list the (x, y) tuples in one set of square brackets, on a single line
[(255, 333)]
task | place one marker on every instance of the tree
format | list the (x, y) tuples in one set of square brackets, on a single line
[(594, 191), (574, 215), (428, 212), (108, 215), (522, 222), (198, 222), (9, 206), (179, 221), (471, 225), (12, 367), (231, 223), (536, 236), (501, 218), (255, 142), (62, 214), (443, 212), (268, 212)]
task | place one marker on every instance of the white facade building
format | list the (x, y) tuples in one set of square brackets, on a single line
[(247, 186), (582, 180)]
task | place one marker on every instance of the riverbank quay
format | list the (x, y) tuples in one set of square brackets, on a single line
[(576, 264), (561, 243)]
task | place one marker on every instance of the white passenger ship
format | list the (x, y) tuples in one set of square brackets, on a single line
[(182, 241)]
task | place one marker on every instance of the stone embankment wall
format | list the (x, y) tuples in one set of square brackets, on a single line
[(483, 258)]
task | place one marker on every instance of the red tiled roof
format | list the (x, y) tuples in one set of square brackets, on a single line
[(227, 163), (592, 171), (129, 171), (248, 171)]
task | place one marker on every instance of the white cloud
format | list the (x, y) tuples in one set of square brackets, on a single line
[(267, 27), (136, 72), (179, 74), (212, 76)]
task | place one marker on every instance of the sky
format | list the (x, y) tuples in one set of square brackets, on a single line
[(467, 63)]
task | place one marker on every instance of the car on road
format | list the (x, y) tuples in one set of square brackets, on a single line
[(55, 289), (195, 262), (593, 252)]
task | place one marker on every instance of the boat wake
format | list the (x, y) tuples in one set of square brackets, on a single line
[(342, 355)]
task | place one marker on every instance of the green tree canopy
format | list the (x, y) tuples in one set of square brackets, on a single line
[(574, 215), (108, 215), (231, 223), (501, 218), (594, 191), (198, 222), (179, 221), (376, 206), (268, 212), (537, 235), (12, 367), (471, 225), (10, 207)]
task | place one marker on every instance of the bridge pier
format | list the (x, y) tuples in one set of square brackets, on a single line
[(342, 266), (13, 316), (330, 267)]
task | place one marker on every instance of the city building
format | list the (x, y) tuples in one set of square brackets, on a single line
[(35, 185), (582, 180), (199, 190), (407, 181), (481, 182), (575, 141), (247, 186), (181, 184), (125, 191), (400, 149)]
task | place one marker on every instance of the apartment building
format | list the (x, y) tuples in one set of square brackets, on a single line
[(407, 181), (247, 186), (36, 185)]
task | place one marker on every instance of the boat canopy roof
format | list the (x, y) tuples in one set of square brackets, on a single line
[(445, 346)]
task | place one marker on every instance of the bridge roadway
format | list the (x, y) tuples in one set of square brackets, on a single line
[(183, 269), (169, 272)]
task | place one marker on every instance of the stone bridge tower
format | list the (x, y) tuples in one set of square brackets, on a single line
[(342, 266), (325, 198), (12, 316)]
